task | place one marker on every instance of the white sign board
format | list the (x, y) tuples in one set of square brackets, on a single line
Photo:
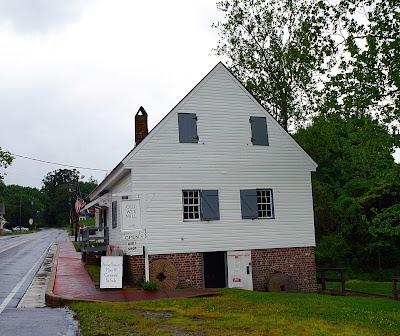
[(111, 272), (134, 241), (130, 213)]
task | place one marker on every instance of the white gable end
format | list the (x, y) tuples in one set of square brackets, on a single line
[(224, 159)]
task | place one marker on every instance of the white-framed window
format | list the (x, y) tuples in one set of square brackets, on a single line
[(257, 203), (264, 203), (200, 205), (191, 204)]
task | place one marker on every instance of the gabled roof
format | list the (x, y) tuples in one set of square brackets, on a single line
[(113, 176)]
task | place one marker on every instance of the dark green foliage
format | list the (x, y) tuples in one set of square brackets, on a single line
[(31, 201), (356, 191), (61, 188), (150, 285)]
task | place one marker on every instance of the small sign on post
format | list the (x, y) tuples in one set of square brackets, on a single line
[(111, 272)]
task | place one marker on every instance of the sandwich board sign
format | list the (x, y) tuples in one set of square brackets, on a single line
[(111, 272)]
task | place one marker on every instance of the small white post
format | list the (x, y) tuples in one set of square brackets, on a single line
[(146, 264)]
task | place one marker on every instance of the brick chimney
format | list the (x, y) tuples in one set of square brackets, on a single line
[(141, 129)]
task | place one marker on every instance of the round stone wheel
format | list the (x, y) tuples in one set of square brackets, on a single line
[(282, 283), (164, 273)]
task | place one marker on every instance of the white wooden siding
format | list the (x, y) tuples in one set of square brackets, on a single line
[(224, 159), (124, 185)]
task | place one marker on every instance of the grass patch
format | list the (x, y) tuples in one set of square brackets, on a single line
[(94, 273), (239, 312), (88, 222), (370, 287), (77, 245)]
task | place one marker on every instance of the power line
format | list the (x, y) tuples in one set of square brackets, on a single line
[(58, 164)]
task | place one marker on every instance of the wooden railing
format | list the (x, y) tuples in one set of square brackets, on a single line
[(322, 279), (90, 239), (395, 291)]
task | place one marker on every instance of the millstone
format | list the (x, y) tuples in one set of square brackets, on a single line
[(281, 282), (164, 273)]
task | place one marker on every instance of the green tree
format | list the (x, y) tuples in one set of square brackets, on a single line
[(22, 203), (62, 186), (5, 160), (354, 189), (368, 78), (279, 50), (87, 187)]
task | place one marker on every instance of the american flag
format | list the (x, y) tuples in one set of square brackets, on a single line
[(79, 204)]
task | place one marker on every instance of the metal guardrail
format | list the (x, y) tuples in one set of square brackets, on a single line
[(89, 239), (322, 279)]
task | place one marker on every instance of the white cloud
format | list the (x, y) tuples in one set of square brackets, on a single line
[(39, 16), (69, 94)]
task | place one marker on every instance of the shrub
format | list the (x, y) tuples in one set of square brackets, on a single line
[(150, 285)]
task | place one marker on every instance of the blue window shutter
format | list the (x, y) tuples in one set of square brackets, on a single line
[(114, 214), (259, 133), (248, 202), (187, 123), (209, 205)]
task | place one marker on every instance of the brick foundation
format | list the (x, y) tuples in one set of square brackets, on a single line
[(188, 265), (297, 262)]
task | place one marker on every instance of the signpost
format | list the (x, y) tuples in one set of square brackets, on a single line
[(30, 223)]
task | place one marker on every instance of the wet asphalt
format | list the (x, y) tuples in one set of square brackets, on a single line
[(25, 263)]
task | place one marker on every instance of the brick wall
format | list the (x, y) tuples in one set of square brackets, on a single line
[(188, 265), (297, 262)]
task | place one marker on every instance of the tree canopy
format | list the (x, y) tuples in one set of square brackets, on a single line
[(62, 187), (356, 191), (22, 203), (367, 81), (5, 160), (279, 50)]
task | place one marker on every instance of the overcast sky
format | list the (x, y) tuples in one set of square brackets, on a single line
[(74, 73)]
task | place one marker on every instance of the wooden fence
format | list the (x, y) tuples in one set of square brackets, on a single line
[(322, 279), (395, 291)]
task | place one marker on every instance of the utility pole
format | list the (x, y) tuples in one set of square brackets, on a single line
[(20, 213), (76, 214), (71, 225)]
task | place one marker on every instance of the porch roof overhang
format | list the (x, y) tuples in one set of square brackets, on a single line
[(100, 203)]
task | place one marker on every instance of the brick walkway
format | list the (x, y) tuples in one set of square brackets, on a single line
[(70, 282)]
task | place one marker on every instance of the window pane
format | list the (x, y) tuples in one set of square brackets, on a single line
[(191, 204), (264, 203)]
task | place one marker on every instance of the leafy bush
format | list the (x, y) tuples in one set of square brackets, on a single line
[(150, 285)]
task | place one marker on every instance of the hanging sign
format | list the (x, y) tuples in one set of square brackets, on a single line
[(131, 219)]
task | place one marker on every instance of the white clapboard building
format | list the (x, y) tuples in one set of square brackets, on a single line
[(218, 194)]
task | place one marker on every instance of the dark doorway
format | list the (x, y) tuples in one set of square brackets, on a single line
[(214, 269)]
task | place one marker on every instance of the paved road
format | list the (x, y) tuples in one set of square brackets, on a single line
[(21, 257)]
